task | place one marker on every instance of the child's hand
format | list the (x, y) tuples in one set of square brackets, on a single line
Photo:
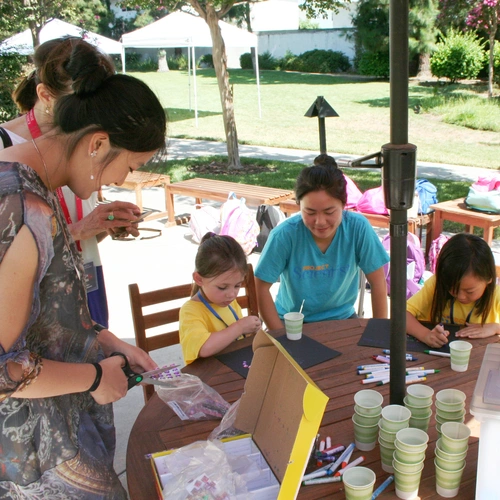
[(437, 337), (475, 331), (249, 324)]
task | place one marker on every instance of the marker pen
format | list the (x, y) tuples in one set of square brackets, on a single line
[(422, 372), (339, 461), (322, 480), (378, 366), (409, 379), (328, 442), (382, 359), (346, 459), (437, 353), (373, 370), (350, 465), (382, 487)]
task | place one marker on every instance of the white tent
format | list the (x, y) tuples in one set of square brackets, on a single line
[(181, 29), (22, 43)]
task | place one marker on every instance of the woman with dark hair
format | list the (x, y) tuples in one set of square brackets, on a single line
[(463, 291), (317, 256), (88, 222), (57, 373)]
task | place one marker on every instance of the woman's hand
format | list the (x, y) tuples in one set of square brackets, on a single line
[(113, 385), (122, 213), (475, 331)]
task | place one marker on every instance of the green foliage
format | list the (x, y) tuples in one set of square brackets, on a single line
[(374, 64), (317, 61), (11, 69), (246, 61), (496, 63), (458, 56), (308, 24), (135, 62), (266, 61), (206, 61), (178, 62)]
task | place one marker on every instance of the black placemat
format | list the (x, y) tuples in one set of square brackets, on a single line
[(378, 334), (306, 352)]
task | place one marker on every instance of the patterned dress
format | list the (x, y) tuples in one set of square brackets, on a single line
[(60, 447)]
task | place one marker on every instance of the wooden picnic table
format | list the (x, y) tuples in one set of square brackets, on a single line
[(456, 211), (157, 428), (210, 189)]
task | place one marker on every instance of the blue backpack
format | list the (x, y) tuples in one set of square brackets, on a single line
[(427, 195)]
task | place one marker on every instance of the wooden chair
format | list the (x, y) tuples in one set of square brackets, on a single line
[(168, 314)]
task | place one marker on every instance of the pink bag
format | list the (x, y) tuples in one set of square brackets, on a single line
[(353, 193), (487, 183), (372, 202)]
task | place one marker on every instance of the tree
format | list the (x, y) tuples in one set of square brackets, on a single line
[(485, 15), (212, 11), (34, 14)]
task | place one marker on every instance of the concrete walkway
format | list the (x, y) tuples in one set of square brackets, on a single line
[(169, 259)]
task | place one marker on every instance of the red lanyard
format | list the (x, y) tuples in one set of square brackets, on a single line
[(36, 132)]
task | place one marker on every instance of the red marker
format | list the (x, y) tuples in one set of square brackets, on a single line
[(348, 466), (346, 460)]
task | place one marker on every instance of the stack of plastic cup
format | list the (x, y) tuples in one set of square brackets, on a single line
[(451, 450), (358, 483), (408, 463), (393, 419), (367, 409), (450, 407), (419, 401)]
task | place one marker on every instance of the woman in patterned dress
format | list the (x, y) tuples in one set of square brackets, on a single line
[(57, 378)]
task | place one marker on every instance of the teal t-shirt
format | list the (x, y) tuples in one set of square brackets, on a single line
[(329, 281)]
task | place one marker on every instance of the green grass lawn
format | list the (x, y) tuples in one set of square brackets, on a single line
[(455, 124)]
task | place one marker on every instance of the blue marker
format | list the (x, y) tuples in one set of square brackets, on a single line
[(332, 468), (382, 487)]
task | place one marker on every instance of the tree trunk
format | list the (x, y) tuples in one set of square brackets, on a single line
[(424, 66), (491, 66), (220, 64)]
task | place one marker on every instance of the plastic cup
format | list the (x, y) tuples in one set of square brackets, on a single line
[(449, 465), (386, 456), (407, 483), (419, 395), (388, 436), (368, 402), (448, 482), (450, 399), (412, 440), (395, 418), (446, 414), (448, 456), (442, 420), (460, 355), (293, 325), (408, 457), (408, 468), (417, 411), (363, 419), (358, 483), (454, 437), (421, 422), (365, 436)]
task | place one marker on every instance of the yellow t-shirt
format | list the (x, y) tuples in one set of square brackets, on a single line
[(197, 322), (420, 306)]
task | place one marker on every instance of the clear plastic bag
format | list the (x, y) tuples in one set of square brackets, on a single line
[(226, 427), (192, 399)]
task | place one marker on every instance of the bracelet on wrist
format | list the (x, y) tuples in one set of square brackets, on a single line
[(98, 376), (99, 328)]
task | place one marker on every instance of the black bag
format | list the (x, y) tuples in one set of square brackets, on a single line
[(5, 137), (268, 217)]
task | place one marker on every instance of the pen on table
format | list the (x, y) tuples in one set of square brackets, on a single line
[(411, 380), (333, 449), (322, 480), (328, 442), (350, 465), (388, 351), (438, 353), (382, 487), (321, 445), (346, 459), (382, 359), (409, 357), (373, 370), (339, 461), (378, 366), (422, 372)]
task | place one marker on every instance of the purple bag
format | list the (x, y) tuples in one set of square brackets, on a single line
[(372, 202), (415, 264)]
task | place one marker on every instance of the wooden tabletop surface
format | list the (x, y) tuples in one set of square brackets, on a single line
[(157, 428)]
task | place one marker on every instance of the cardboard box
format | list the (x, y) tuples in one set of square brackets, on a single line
[(281, 409)]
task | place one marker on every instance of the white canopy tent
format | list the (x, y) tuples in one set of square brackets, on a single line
[(22, 43), (181, 29)]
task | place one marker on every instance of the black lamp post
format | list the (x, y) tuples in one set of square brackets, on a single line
[(322, 110)]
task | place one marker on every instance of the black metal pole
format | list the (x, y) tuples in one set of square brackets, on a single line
[(322, 135), (399, 168)]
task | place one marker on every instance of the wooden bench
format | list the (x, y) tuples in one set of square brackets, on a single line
[(383, 221), (137, 181), (209, 189), (456, 211)]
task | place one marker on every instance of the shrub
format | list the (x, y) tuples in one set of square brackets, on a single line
[(11, 69), (459, 56), (246, 61), (496, 63), (178, 62), (374, 64), (317, 61), (206, 61)]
